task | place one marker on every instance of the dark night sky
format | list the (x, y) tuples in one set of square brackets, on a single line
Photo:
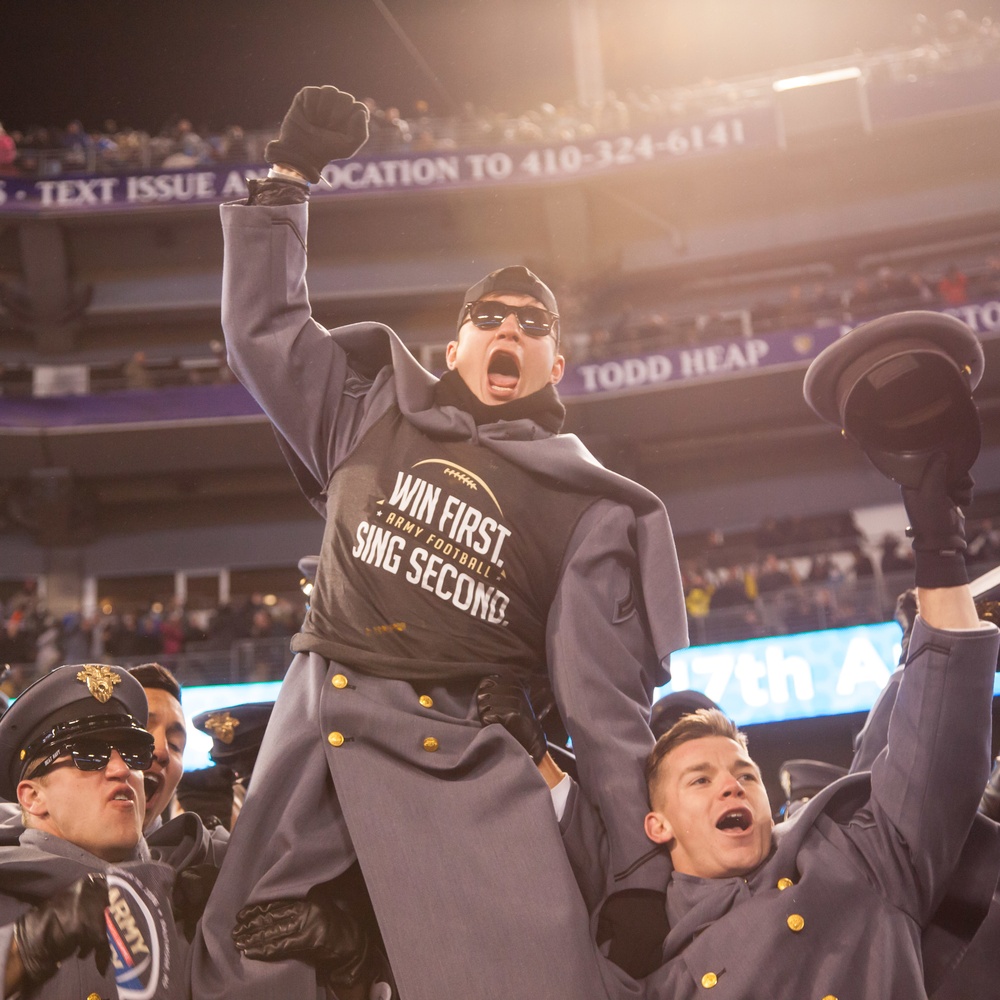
[(240, 61)]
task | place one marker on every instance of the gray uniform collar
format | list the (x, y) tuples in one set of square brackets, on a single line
[(51, 844)]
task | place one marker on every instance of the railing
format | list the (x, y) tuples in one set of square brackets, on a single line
[(804, 608), (245, 661)]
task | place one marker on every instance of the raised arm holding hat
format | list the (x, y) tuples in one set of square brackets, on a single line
[(464, 537), (843, 899)]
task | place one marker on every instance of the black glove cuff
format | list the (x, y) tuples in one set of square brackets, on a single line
[(273, 191), (277, 151), (940, 569), (35, 971), (351, 970)]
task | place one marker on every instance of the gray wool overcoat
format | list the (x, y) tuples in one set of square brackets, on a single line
[(450, 822), (838, 909)]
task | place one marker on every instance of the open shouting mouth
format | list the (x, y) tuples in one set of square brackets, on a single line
[(503, 373), (151, 784), (739, 820)]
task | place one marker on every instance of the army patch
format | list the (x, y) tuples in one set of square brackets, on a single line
[(100, 681), (141, 932)]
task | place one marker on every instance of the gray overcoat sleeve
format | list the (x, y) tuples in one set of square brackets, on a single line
[(302, 377), (968, 895), (875, 733), (604, 669), (927, 782)]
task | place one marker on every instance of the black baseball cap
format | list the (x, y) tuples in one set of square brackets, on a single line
[(515, 280)]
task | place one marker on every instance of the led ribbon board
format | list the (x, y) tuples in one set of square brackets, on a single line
[(785, 677)]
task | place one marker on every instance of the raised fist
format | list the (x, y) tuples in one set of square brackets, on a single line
[(323, 124)]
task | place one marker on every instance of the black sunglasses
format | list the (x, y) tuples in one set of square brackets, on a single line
[(488, 314), (91, 753)]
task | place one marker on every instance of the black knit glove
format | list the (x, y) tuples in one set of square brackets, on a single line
[(324, 934), (503, 702), (70, 923), (323, 124), (937, 524), (635, 922)]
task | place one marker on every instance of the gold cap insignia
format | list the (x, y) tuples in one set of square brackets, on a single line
[(222, 726), (100, 681)]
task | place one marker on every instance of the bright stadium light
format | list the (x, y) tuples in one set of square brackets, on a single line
[(813, 79)]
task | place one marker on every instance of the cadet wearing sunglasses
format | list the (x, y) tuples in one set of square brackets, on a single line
[(77, 771), (73, 749), (465, 534), (503, 349)]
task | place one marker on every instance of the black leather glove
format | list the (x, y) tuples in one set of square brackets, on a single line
[(323, 124), (543, 704), (70, 923), (635, 922), (323, 934), (937, 524), (192, 887), (275, 191), (502, 701)]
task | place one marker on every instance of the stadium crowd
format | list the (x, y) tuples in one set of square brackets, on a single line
[(35, 149), (887, 289), (789, 577), (33, 639)]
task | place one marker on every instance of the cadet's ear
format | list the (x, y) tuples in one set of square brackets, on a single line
[(450, 352), (31, 798), (658, 828)]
